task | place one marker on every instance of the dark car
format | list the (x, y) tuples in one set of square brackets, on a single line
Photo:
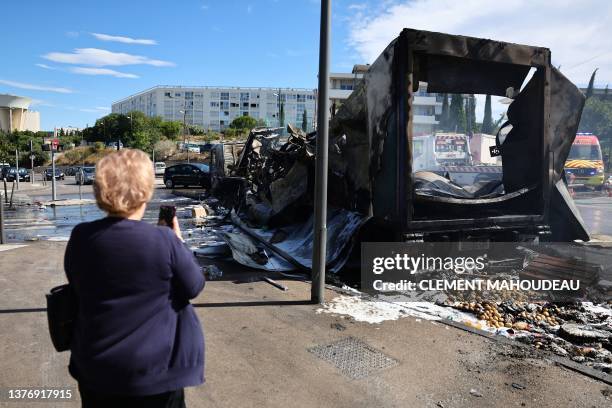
[(59, 175), (194, 174), (85, 175), (4, 169), (24, 174)]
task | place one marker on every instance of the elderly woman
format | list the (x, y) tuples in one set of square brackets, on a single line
[(137, 340)]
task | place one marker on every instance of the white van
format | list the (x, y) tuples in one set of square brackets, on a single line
[(160, 168)]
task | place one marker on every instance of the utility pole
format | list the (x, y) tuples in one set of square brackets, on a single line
[(17, 167), (2, 234), (53, 189), (319, 253), (31, 163)]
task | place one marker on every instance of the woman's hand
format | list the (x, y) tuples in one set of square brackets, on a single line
[(175, 227)]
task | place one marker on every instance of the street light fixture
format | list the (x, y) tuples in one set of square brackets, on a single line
[(131, 129), (185, 131)]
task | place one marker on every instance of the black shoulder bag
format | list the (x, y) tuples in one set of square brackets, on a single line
[(61, 314)]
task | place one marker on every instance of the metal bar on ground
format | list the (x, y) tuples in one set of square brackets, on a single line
[(275, 284), (319, 254)]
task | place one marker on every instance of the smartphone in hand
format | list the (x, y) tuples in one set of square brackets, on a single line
[(166, 215)]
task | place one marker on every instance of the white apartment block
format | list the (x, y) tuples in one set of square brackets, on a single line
[(426, 106), (214, 108)]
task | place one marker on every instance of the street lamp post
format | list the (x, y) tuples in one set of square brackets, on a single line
[(185, 131), (319, 253), (131, 130)]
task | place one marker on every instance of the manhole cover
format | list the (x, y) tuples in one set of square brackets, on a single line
[(353, 357)]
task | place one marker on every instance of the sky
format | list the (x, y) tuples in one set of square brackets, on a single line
[(75, 58)]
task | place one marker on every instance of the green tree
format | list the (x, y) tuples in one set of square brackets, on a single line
[(597, 119), (244, 123), (171, 129), (445, 116), (305, 121), (487, 121), (281, 115), (456, 122), (589, 91), (472, 112)]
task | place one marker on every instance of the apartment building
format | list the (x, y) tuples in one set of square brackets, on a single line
[(427, 106), (214, 108)]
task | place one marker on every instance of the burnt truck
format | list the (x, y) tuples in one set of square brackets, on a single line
[(374, 168), (377, 191)]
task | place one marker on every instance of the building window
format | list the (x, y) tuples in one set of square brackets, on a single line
[(224, 105), (178, 94), (214, 104), (244, 96), (234, 104), (245, 113), (254, 105), (188, 95), (167, 94), (224, 96)]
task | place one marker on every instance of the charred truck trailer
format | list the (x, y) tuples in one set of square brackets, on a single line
[(376, 192), (371, 159)]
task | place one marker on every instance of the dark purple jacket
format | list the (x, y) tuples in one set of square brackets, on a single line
[(136, 332)]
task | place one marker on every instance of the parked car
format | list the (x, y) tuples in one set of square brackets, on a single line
[(24, 174), (194, 174), (114, 145), (59, 175), (160, 168), (4, 169), (86, 175)]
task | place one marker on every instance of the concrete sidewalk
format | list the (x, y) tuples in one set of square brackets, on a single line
[(258, 339)]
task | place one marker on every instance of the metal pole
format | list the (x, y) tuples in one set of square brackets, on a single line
[(2, 234), (53, 190), (80, 183), (31, 163), (17, 167), (320, 205)]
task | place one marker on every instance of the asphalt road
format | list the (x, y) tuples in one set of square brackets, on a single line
[(595, 210), (597, 214)]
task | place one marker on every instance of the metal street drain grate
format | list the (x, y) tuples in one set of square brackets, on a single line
[(353, 357)]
